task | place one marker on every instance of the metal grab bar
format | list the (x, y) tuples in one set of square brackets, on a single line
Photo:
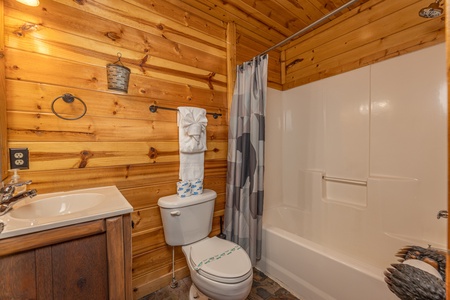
[(344, 180)]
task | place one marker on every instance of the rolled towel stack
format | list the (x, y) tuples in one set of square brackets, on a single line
[(187, 188), (183, 189), (197, 187)]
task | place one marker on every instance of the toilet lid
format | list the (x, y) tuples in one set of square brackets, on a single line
[(220, 260)]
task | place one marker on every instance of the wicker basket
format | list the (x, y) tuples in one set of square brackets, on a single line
[(118, 77)]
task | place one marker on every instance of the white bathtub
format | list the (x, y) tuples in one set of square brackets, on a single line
[(312, 271)]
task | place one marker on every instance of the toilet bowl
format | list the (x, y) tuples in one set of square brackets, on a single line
[(220, 269)]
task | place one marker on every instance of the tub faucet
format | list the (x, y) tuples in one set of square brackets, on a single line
[(442, 214), (13, 193)]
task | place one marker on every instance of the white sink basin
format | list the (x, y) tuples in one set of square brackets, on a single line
[(57, 206), (47, 211)]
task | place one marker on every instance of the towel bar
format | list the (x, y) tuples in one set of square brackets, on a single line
[(154, 108)]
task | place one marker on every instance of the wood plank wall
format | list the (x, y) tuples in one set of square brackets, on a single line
[(3, 120), (176, 59), (247, 47), (177, 56), (378, 30)]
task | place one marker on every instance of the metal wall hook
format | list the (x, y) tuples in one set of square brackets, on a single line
[(68, 98), (119, 56)]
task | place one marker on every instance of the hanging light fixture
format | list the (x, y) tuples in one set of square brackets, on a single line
[(29, 2), (432, 11)]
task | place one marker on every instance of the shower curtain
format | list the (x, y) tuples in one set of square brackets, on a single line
[(245, 176)]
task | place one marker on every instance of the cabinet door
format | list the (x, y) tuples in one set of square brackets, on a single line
[(18, 276), (80, 269)]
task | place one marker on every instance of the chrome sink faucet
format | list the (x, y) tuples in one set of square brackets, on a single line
[(13, 193)]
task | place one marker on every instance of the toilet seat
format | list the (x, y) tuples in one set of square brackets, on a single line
[(220, 260)]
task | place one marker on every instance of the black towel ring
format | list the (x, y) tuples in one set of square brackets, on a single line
[(69, 98)]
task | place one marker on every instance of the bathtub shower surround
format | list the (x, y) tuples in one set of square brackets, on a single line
[(245, 177), (311, 271), (381, 132)]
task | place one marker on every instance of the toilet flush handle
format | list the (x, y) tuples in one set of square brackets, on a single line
[(175, 213)]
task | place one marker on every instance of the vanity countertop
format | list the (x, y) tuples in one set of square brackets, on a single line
[(53, 210)]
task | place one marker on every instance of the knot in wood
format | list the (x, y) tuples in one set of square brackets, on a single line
[(85, 156), (298, 60), (112, 35), (153, 153), (81, 283)]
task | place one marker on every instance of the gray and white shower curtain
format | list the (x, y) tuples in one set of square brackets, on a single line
[(245, 177)]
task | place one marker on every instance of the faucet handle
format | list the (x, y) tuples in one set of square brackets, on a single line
[(442, 214), (12, 190), (22, 183), (10, 187), (6, 188)]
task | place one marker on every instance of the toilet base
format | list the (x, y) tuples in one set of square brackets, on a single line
[(195, 294)]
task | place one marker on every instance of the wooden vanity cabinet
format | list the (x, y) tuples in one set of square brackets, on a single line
[(85, 261)]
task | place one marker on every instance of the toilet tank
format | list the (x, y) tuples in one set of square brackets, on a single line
[(187, 220)]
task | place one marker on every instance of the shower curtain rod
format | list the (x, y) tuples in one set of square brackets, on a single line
[(315, 23)]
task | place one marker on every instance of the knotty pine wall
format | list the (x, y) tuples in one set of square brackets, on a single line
[(176, 59), (178, 56), (378, 30)]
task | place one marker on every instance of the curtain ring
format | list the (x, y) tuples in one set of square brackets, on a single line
[(69, 98)]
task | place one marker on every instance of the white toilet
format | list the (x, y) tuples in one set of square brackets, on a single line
[(220, 269)]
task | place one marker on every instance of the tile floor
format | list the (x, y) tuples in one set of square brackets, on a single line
[(263, 288)]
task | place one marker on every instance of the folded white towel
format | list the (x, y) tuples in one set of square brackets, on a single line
[(191, 166), (192, 123), (192, 139)]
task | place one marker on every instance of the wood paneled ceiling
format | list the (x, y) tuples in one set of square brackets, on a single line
[(270, 21), (365, 32)]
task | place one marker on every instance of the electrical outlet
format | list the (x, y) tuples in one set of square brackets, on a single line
[(19, 158)]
